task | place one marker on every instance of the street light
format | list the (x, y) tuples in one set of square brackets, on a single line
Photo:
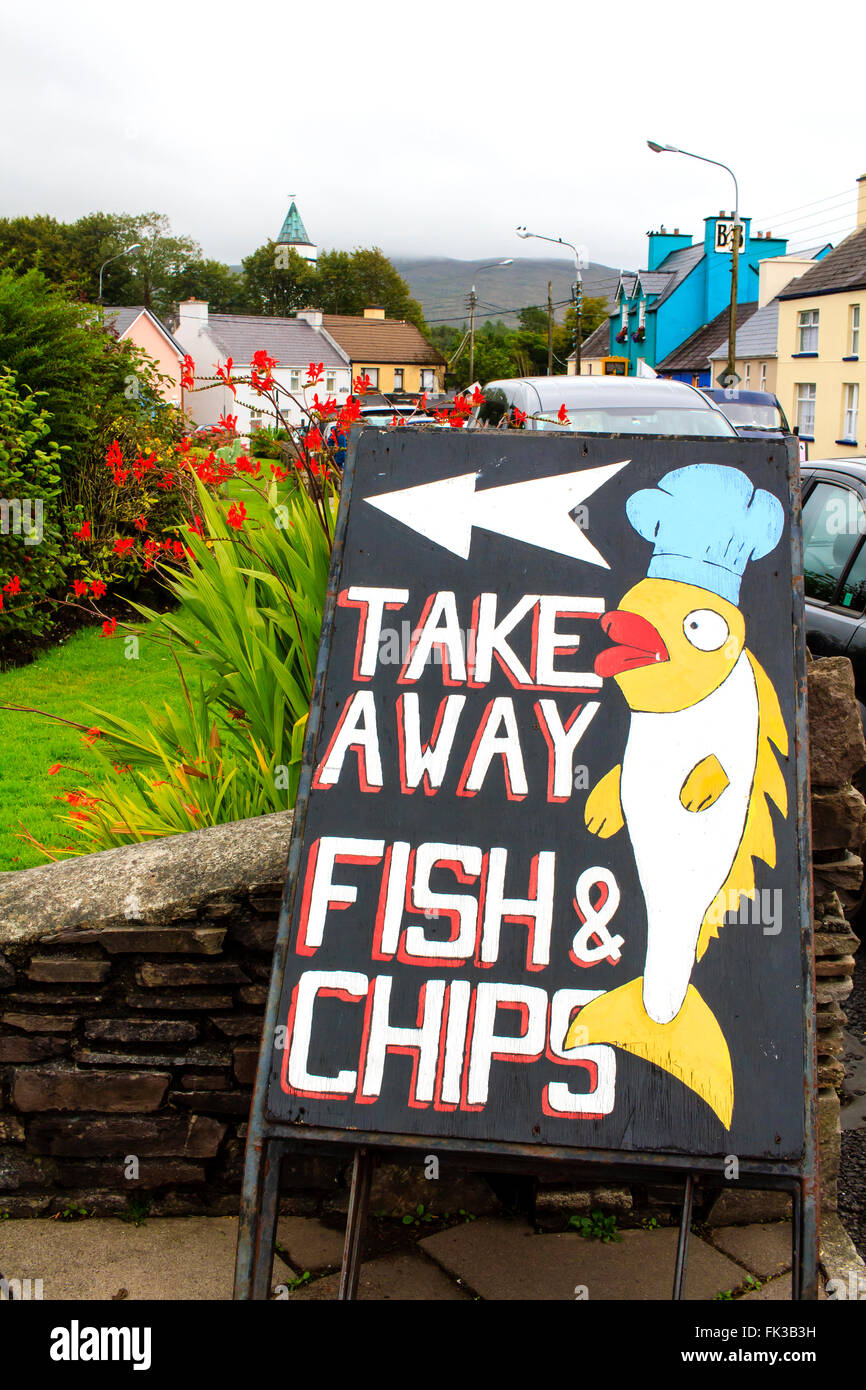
[(136, 246), (735, 247), (473, 300), (578, 284)]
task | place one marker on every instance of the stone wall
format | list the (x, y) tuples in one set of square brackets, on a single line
[(132, 991)]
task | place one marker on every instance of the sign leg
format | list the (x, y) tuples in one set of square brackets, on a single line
[(359, 1196), (683, 1242)]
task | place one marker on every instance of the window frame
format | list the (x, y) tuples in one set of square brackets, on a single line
[(850, 393), (842, 483), (398, 372), (804, 343), (798, 401), (853, 330)]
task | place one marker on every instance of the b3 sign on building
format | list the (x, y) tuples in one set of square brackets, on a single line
[(547, 851)]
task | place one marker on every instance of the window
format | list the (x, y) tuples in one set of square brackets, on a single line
[(850, 404), (330, 382), (398, 378), (427, 379), (833, 524), (854, 330), (294, 381), (808, 330), (763, 382), (373, 374), (806, 393), (748, 381)]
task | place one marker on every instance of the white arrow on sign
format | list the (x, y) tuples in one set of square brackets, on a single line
[(536, 511)]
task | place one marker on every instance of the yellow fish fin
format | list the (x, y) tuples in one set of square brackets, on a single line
[(758, 840), (704, 784), (603, 810), (691, 1047)]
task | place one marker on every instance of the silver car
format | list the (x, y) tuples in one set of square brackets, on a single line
[(612, 405)]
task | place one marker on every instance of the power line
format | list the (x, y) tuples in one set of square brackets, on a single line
[(774, 217), (811, 216)]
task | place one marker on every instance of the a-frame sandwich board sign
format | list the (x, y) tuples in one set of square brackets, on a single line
[(548, 893)]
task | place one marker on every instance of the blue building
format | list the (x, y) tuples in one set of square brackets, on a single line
[(684, 287)]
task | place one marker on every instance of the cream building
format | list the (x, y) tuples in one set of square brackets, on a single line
[(821, 372)]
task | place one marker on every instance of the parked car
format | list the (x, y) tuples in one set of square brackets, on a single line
[(834, 562), (611, 405), (753, 414)]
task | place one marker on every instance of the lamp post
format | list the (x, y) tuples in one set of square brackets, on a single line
[(136, 246), (735, 247), (473, 300), (578, 285)]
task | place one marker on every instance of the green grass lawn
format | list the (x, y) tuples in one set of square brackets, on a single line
[(88, 669)]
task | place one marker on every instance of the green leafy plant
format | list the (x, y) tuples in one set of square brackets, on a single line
[(73, 1212), (299, 1281), (725, 1296), (420, 1216), (138, 1209), (596, 1226), (650, 1223)]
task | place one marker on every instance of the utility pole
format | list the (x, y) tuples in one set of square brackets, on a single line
[(473, 300), (732, 328), (578, 297), (550, 328)]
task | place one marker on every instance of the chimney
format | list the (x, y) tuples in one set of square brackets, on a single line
[(861, 201), (374, 311), (193, 311), (311, 316)]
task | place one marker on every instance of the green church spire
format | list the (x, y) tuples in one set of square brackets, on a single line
[(293, 231)]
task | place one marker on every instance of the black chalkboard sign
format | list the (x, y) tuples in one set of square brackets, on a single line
[(546, 885)]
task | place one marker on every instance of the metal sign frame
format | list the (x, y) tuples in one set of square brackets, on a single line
[(270, 1141)]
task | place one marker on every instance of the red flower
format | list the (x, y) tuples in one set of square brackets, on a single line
[(140, 523), (92, 735), (12, 586), (54, 768), (98, 589), (229, 423), (109, 627), (422, 404), (193, 810), (166, 482), (183, 446), (121, 476), (519, 417), (187, 374), (262, 363), (314, 373), (281, 473), (349, 413), (123, 547), (179, 550), (225, 375), (562, 416), (84, 534), (195, 526), (236, 515), (114, 455), (324, 409), (478, 397), (362, 384), (245, 465), (313, 439), (79, 587)]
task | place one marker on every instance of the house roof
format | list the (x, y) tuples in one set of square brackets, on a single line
[(293, 232), (381, 340), (293, 342), (757, 338), (843, 269), (627, 282), (693, 354), (121, 318), (677, 266), (653, 281)]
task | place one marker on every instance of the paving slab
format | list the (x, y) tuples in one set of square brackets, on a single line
[(308, 1244), (403, 1277), (502, 1260), (776, 1290), (764, 1250), (165, 1258)]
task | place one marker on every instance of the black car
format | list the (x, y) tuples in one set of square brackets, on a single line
[(834, 562), (753, 414)]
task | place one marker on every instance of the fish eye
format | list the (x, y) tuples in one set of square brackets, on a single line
[(705, 629)]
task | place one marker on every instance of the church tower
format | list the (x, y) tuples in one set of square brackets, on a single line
[(293, 233)]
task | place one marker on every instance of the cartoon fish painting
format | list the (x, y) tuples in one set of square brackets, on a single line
[(699, 767)]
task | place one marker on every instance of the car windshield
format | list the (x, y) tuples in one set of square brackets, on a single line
[(660, 420), (751, 416)]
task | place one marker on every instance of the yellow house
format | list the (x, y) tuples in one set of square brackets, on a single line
[(821, 373), (394, 354)]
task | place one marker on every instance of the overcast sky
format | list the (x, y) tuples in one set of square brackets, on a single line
[(434, 129)]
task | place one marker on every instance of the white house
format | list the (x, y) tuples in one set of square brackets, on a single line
[(211, 339)]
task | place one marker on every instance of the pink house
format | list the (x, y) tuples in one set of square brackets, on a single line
[(139, 326)]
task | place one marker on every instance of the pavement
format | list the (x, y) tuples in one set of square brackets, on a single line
[(491, 1258)]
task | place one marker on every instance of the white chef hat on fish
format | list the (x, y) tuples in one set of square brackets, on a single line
[(706, 521)]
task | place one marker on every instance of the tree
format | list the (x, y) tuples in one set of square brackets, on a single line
[(593, 312), (160, 257), (278, 281), (533, 319), (376, 281), (223, 288)]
